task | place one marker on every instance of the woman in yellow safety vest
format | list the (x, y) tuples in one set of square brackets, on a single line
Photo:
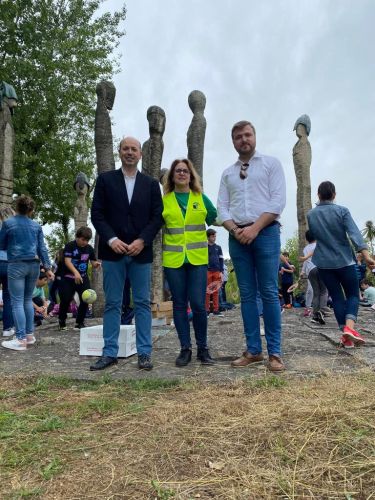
[(185, 255)]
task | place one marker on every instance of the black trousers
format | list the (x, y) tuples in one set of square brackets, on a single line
[(67, 288)]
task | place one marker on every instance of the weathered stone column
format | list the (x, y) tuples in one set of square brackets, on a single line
[(152, 154), (197, 130), (105, 160), (302, 163), (82, 187), (8, 101)]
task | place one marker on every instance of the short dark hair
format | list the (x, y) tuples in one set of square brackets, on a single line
[(210, 231), (326, 191), (309, 237), (25, 204), (240, 125), (365, 282), (84, 232), (286, 254)]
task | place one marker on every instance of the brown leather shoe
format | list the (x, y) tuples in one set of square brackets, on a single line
[(275, 364), (246, 359)]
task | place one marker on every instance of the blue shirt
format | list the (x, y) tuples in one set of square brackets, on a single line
[(23, 239), (332, 226), (215, 258)]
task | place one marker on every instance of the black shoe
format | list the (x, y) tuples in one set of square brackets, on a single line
[(184, 357), (78, 326), (62, 326), (103, 362), (144, 362), (37, 322), (204, 357), (319, 316)]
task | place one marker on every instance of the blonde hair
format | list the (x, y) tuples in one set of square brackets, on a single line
[(194, 183)]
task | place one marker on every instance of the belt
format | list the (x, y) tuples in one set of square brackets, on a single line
[(273, 223)]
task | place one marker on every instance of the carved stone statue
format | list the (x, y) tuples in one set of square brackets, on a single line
[(8, 101), (152, 154), (197, 130), (82, 187), (302, 163), (152, 149), (106, 93)]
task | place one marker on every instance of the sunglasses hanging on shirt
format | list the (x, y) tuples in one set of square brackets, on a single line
[(243, 171)]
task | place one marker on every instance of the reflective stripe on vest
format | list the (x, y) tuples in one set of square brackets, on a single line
[(184, 237)]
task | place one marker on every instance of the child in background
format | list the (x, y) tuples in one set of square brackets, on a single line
[(310, 270), (368, 293), (286, 271), (77, 255), (40, 303)]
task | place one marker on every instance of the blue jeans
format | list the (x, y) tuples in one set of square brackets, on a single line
[(114, 276), (7, 307), (257, 267), (188, 284), (342, 285), (22, 278)]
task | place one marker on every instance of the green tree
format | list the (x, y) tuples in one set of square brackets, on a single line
[(369, 233), (54, 52), (291, 246)]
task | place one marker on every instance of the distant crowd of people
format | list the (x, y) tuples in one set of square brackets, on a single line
[(128, 211)]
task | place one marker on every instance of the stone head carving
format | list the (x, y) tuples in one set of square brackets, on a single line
[(302, 126), (156, 120), (163, 173), (106, 91), (8, 95), (81, 184), (197, 101)]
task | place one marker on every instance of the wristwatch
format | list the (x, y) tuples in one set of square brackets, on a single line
[(233, 230)]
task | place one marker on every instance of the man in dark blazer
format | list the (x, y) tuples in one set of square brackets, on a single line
[(127, 214)]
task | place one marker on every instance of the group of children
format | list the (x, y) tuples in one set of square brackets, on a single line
[(25, 270)]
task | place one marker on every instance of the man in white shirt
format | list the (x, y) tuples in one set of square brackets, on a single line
[(251, 199)]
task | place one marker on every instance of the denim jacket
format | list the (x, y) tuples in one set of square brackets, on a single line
[(23, 239), (333, 228), (3, 254)]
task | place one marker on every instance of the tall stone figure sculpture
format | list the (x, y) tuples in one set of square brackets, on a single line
[(8, 101), (106, 93), (197, 130), (302, 163), (82, 187), (152, 154)]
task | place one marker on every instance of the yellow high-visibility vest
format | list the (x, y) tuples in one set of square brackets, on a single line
[(184, 236)]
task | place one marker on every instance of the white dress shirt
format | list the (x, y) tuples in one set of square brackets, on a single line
[(129, 184), (263, 190)]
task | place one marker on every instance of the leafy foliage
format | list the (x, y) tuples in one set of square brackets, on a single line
[(369, 234), (54, 53)]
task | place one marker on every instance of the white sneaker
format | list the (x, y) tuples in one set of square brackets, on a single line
[(30, 339), (9, 332), (15, 344)]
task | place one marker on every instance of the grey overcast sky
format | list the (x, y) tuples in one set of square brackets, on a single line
[(268, 62)]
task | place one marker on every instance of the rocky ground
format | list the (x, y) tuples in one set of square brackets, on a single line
[(309, 350)]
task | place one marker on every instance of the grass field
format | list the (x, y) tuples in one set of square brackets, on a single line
[(277, 437)]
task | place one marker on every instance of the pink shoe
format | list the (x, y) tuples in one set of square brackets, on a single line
[(306, 312), (346, 342), (353, 335)]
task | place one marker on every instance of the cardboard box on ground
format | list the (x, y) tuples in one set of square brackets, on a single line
[(163, 310), (91, 341)]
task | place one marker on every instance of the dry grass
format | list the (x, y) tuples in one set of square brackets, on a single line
[(271, 438)]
